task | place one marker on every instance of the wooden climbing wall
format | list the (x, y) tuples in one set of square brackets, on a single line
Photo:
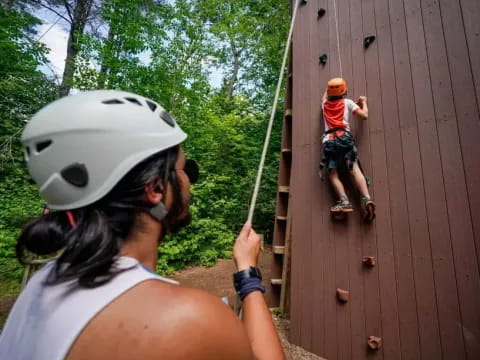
[(420, 148)]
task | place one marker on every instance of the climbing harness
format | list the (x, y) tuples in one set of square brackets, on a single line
[(272, 115)]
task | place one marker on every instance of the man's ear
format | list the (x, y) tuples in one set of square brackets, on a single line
[(154, 192)]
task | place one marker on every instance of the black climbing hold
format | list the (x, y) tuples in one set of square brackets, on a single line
[(368, 41), (304, 1), (321, 12), (323, 59)]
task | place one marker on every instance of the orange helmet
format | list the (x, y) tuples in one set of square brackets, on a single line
[(337, 87)]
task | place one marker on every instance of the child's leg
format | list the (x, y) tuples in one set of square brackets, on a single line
[(359, 180), (337, 184), (361, 184), (342, 205)]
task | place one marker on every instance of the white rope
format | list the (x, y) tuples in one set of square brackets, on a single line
[(338, 36), (272, 115)]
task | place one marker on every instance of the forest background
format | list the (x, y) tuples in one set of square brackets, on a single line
[(164, 50)]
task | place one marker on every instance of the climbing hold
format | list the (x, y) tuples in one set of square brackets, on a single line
[(304, 1), (342, 295), (367, 180), (369, 261), (368, 41), (374, 342), (321, 12), (323, 59)]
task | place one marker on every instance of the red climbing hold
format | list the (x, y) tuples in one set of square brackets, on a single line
[(342, 295), (369, 261), (374, 343)]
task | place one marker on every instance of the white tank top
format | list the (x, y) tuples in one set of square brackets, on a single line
[(46, 320)]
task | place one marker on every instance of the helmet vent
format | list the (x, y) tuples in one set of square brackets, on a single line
[(42, 146), (151, 105), (165, 116), (133, 101), (112, 102), (76, 174)]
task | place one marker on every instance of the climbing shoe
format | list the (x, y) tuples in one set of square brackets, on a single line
[(342, 206), (368, 209)]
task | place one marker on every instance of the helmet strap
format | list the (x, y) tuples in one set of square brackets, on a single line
[(159, 212), (71, 219)]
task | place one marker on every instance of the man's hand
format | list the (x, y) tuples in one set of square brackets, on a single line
[(246, 248)]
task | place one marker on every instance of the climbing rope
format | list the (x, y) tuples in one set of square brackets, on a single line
[(337, 36), (272, 115)]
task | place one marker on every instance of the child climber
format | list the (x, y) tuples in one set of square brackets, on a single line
[(340, 150)]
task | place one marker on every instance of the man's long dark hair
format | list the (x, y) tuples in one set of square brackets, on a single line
[(91, 247)]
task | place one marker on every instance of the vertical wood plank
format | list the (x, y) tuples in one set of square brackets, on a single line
[(467, 184), (386, 259), (372, 314), (319, 193), (296, 194), (407, 307), (438, 222), (453, 172), (429, 336), (471, 13)]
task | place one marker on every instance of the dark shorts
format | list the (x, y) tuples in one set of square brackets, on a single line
[(340, 153)]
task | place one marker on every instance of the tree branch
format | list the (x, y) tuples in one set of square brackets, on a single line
[(67, 7), (39, 3)]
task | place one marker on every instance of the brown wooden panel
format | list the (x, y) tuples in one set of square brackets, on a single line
[(386, 261), (466, 268), (429, 336), (350, 316), (471, 14), (445, 282), (468, 126), (299, 195), (358, 291), (422, 297), (372, 314), (319, 194), (405, 285)]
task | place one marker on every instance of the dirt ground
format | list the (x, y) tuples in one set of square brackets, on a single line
[(218, 281)]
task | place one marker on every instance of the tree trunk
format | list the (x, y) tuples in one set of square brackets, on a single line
[(102, 79), (236, 67), (80, 16)]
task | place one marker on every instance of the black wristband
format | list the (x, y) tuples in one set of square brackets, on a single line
[(251, 272), (248, 285)]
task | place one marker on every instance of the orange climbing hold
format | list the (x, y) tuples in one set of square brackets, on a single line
[(343, 295), (369, 261), (374, 342)]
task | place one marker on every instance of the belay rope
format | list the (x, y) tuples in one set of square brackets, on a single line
[(338, 36), (238, 302), (275, 101), (272, 116)]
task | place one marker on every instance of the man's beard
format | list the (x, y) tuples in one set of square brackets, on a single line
[(175, 225)]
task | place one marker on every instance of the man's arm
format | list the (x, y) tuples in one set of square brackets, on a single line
[(199, 326), (363, 111), (257, 319)]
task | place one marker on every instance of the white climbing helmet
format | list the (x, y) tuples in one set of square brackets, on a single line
[(79, 147)]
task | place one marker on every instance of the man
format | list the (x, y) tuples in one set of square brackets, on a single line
[(340, 150), (110, 166)]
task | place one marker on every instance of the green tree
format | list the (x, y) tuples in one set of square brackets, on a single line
[(23, 90)]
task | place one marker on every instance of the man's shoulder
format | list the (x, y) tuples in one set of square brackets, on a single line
[(156, 319), (198, 321)]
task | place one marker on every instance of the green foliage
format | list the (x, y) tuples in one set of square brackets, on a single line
[(164, 50), (23, 90)]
